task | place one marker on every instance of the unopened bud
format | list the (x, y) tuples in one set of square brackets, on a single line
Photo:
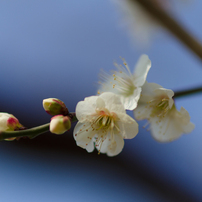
[(60, 124), (54, 106), (8, 122)]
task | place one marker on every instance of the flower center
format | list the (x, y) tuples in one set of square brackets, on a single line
[(123, 84), (104, 123), (160, 107), (103, 120)]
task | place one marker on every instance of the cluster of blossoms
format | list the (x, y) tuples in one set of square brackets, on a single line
[(104, 123), (102, 119), (148, 100)]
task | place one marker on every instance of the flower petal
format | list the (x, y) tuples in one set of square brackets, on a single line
[(112, 147), (164, 92), (85, 108), (172, 126), (143, 111), (141, 70), (83, 135), (189, 127), (148, 88), (166, 131), (113, 102), (147, 93), (128, 126), (91, 146), (185, 117), (100, 103), (130, 102)]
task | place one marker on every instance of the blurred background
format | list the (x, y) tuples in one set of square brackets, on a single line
[(56, 49)]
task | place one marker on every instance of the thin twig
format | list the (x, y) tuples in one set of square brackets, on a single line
[(22, 133), (188, 92), (32, 132)]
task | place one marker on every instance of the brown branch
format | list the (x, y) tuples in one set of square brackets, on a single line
[(167, 21), (188, 92)]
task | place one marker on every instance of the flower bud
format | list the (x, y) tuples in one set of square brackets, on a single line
[(8, 122), (54, 106), (60, 124)]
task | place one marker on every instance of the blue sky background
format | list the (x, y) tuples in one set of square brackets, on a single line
[(56, 49)]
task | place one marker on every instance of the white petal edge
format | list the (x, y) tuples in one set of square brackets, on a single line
[(100, 103), (163, 91), (141, 70), (147, 93), (113, 102), (112, 148), (83, 135), (86, 107), (172, 126), (142, 111), (129, 128), (167, 131), (130, 102)]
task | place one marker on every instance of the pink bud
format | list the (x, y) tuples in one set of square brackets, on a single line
[(54, 106), (60, 124), (13, 123), (8, 122)]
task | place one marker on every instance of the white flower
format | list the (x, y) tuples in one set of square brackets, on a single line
[(157, 106), (126, 84), (103, 122)]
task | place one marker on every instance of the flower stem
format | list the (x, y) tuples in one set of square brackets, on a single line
[(22, 133), (167, 21), (188, 92), (32, 132)]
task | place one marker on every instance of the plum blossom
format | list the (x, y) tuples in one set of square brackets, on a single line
[(103, 123), (126, 84), (156, 104)]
